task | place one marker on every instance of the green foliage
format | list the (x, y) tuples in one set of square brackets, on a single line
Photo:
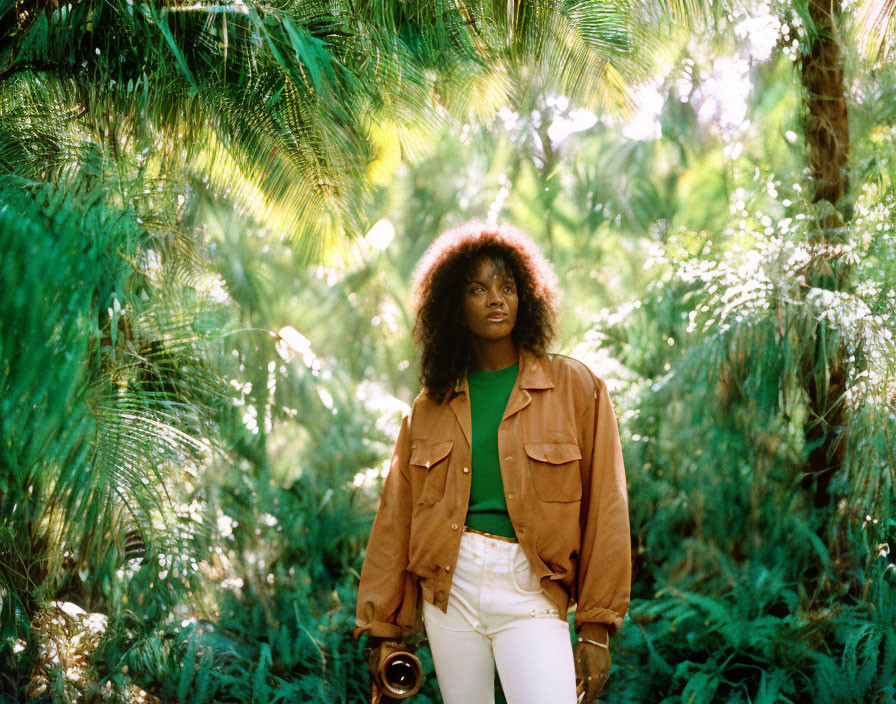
[(196, 410), (40, 427), (87, 451)]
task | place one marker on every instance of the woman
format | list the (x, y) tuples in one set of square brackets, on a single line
[(505, 503)]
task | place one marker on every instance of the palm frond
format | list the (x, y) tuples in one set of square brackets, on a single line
[(273, 104), (874, 24)]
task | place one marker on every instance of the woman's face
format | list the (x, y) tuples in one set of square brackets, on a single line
[(490, 300)]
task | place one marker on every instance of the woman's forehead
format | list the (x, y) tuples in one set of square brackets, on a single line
[(489, 267)]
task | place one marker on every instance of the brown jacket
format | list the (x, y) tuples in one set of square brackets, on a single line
[(561, 465)]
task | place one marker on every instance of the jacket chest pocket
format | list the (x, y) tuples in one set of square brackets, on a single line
[(430, 460), (554, 468)]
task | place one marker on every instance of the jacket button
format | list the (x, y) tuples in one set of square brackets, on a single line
[(510, 495), (466, 470), (507, 458), (454, 526), (447, 568)]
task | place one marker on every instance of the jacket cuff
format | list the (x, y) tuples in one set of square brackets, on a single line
[(608, 618), (379, 629), (594, 631)]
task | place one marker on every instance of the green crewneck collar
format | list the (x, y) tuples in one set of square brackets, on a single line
[(497, 376)]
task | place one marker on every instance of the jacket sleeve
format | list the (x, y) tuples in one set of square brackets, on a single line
[(388, 593), (604, 571)]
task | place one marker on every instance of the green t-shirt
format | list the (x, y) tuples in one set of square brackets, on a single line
[(489, 393)]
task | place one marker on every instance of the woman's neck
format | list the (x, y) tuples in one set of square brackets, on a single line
[(491, 355)]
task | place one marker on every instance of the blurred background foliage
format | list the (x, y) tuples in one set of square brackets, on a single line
[(210, 214)]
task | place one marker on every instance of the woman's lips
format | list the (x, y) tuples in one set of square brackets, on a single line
[(498, 317)]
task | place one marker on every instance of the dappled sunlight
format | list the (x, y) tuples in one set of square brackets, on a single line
[(212, 216)]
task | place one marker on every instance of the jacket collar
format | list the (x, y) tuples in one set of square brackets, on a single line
[(533, 371), (533, 375)]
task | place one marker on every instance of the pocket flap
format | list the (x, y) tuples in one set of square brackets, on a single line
[(428, 454), (553, 452)]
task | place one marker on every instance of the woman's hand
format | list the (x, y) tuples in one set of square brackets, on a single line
[(378, 649), (592, 661)]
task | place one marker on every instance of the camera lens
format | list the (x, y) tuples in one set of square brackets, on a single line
[(401, 675)]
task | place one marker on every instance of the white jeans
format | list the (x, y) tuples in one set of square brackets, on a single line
[(498, 614)]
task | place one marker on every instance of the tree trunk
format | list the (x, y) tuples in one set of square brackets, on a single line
[(827, 142)]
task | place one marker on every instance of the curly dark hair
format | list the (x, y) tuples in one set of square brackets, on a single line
[(439, 282)]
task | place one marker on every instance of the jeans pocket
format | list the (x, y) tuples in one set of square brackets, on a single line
[(521, 573)]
